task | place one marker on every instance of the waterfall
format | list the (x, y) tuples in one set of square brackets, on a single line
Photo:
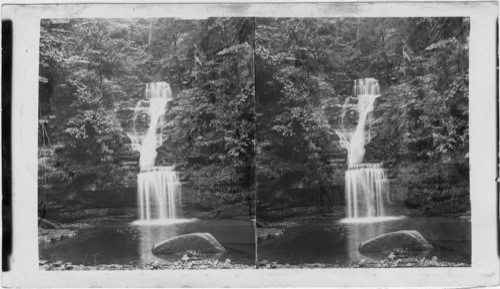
[(366, 188), (153, 137), (366, 185), (158, 188)]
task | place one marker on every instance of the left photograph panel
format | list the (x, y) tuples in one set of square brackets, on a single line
[(146, 144)]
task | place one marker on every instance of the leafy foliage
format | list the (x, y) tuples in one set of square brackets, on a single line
[(306, 67), (92, 71), (293, 78), (212, 117), (226, 119)]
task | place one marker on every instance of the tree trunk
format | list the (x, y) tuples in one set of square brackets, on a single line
[(357, 31), (150, 31)]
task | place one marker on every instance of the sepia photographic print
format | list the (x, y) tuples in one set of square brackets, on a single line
[(254, 145), (146, 144), (362, 142)]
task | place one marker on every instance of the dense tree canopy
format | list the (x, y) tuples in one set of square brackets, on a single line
[(92, 71), (218, 128), (305, 67)]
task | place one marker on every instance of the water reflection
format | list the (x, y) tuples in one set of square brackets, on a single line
[(338, 242), (132, 244), (358, 234), (235, 236), (149, 235)]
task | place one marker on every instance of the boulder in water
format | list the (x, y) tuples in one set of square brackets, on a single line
[(407, 239), (203, 242)]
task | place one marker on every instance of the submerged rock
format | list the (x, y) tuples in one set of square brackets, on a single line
[(53, 235), (48, 224), (267, 233), (261, 223), (407, 239), (202, 242)]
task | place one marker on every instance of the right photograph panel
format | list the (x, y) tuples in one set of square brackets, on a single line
[(362, 142)]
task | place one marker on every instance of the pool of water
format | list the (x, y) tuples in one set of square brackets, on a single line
[(337, 241), (132, 243), (320, 241)]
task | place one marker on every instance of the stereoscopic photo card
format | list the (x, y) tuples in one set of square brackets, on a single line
[(253, 145)]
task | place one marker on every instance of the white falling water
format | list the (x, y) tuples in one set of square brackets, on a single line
[(157, 192), (153, 137), (158, 188), (366, 185)]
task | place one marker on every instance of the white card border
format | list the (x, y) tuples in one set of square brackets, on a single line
[(483, 155)]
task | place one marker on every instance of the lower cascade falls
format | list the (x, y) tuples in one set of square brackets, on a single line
[(366, 185), (158, 187)]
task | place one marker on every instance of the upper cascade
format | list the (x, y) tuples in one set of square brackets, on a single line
[(158, 90), (366, 86), (367, 91), (159, 94)]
